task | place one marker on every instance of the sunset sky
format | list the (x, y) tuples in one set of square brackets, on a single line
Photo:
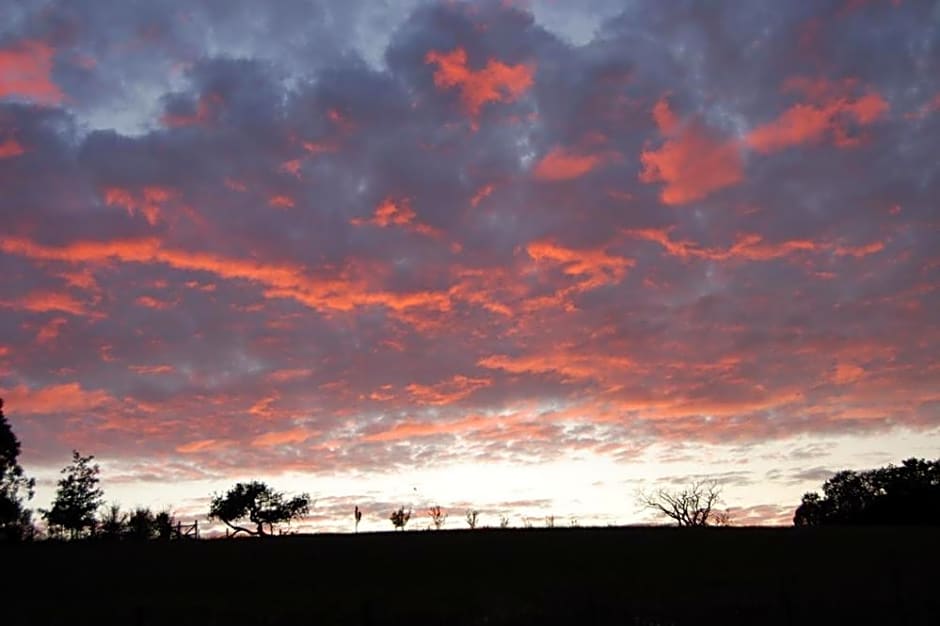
[(528, 257)]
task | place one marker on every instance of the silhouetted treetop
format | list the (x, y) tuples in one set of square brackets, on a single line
[(905, 494), (77, 498), (15, 487), (691, 506), (259, 504)]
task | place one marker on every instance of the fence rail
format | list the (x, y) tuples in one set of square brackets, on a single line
[(190, 531)]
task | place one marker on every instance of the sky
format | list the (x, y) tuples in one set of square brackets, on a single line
[(524, 257)]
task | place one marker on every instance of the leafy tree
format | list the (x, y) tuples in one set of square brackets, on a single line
[(691, 506), (77, 498), (400, 518), (15, 488), (438, 516), (260, 505), (141, 525), (164, 525), (905, 494)]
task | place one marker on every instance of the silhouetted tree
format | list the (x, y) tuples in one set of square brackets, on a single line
[(164, 525), (905, 494), (438, 516), (358, 515), (77, 498), (141, 525), (472, 517), (15, 488), (113, 523), (692, 506), (400, 518), (259, 504)]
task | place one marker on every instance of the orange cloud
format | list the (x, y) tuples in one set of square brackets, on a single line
[(314, 147), (279, 438), (10, 148), (495, 82), (810, 122), (152, 303), (565, 362), (148, 200), (691, 162), (561, 164), (747, 246), (44, 301), (846, 373), (203, 445), (50, 331), (281, 201), (64, 398), (151, 369), (279, 280), (26, 71), (285, 375), (391, 212), (595, 266), (448, 391), (860, 251), (291, 167), (481, 195)]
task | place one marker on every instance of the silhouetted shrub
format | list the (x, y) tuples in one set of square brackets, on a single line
[(113, 524), (438, 516), (400, 518), (472, 518)]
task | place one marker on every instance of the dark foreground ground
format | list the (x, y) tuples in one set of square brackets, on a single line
[(635, 576)]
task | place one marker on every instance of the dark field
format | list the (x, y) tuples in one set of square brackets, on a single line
[(586, 576)]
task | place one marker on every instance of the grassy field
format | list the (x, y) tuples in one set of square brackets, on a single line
[(635, 576)]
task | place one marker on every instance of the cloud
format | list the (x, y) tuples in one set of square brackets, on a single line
[(395, 239), (692, 161), (55, 399), (560, 164), (809, 122), (10, 148), (26, 72), (494, 82)]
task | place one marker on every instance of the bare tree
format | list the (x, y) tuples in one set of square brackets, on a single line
[(691, 506), (358, 515), (504, 521), (438, 516), (472, 517)]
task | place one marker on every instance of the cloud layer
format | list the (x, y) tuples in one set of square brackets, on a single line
[(314, 239)]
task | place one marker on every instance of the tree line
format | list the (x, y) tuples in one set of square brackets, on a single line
[(905, 494)]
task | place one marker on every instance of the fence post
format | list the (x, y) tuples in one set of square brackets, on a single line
[(196, 529)]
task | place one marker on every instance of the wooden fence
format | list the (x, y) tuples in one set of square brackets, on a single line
[(184, 531)]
